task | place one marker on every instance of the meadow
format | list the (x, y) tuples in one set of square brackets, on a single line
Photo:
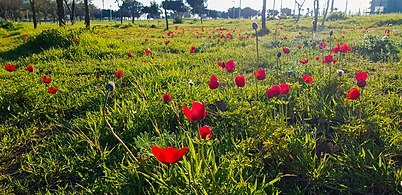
[(314, 114)]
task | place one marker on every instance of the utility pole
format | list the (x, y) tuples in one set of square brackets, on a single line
[(280, 11), (234, 9), (110, 19), (273, 9), (240, 10), (346, 8), (103, 8)]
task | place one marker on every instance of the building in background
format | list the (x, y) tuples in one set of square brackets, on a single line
[(385, 6)]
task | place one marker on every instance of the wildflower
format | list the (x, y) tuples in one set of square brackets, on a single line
[(260, 74), (308, 79), (168, 155), (166, 98), (30, 68), (240, 81), (213, 82), (46, 80), (10, 67), (52, 90), (205, 132), (230, 66), (285, 89), (303, 61), (119, 74), (285, 50), (353, 94), (197, 113)]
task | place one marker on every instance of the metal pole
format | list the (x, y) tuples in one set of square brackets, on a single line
[(240, 10)]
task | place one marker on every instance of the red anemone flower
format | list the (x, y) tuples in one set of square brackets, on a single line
[(303, 61), (322, 45), (273, 91), (299, 47), (260, 74), (148, 52), (197, 113), (46, 80), (192, 49), (52, 90), (222, 65), (119, 74), (285, 50), (167, 42), (10, 67), (213, 82), (308, 79), (240, 81), (230, 66), (205, 132), (129, 54), (354, 94), (361, 76), (328, 59), (285, 89), (30, 68), (166, 98), (168, 155), (317, 58)]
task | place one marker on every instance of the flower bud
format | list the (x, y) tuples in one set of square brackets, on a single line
[(331, 33), (110, 86), (279, 54), (255, 26)]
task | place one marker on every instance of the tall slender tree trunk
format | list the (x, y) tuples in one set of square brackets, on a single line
[(332, 6), (60, 12), (87, 21), (72, 17), (35, 23), (325, 13), (264, 14), (167, 21), (316, 11), (132, 15), (121, 16)]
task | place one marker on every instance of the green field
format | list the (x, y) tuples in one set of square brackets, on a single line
[(312, 140)]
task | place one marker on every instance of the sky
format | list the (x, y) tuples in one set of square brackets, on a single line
[(224, 5)]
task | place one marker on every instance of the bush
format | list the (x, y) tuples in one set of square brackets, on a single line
[(177, 20), (57, 38), (379, 49), (336, 16), (8, 25)]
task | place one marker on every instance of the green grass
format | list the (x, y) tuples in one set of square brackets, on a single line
[(59, 143)]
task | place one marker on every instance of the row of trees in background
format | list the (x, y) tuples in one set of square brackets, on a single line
[(79, 9)]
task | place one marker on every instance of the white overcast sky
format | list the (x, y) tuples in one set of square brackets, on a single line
[(224, 5)]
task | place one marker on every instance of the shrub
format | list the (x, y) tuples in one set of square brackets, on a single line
[(177, 20), (379, 49), (57, 38), (8, 25), (336, 16)]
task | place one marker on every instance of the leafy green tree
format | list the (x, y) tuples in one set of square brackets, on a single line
[(175, 6), (152, 10), (197, 7), (133, 8)]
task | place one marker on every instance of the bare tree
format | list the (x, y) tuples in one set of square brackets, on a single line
[(299, 7), (264, 14), (316, 11), (71, 10), (332, 6), (325, 13), (35, 23), (60, 12)]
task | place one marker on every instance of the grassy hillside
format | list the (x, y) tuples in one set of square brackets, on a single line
[(312, 140)]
